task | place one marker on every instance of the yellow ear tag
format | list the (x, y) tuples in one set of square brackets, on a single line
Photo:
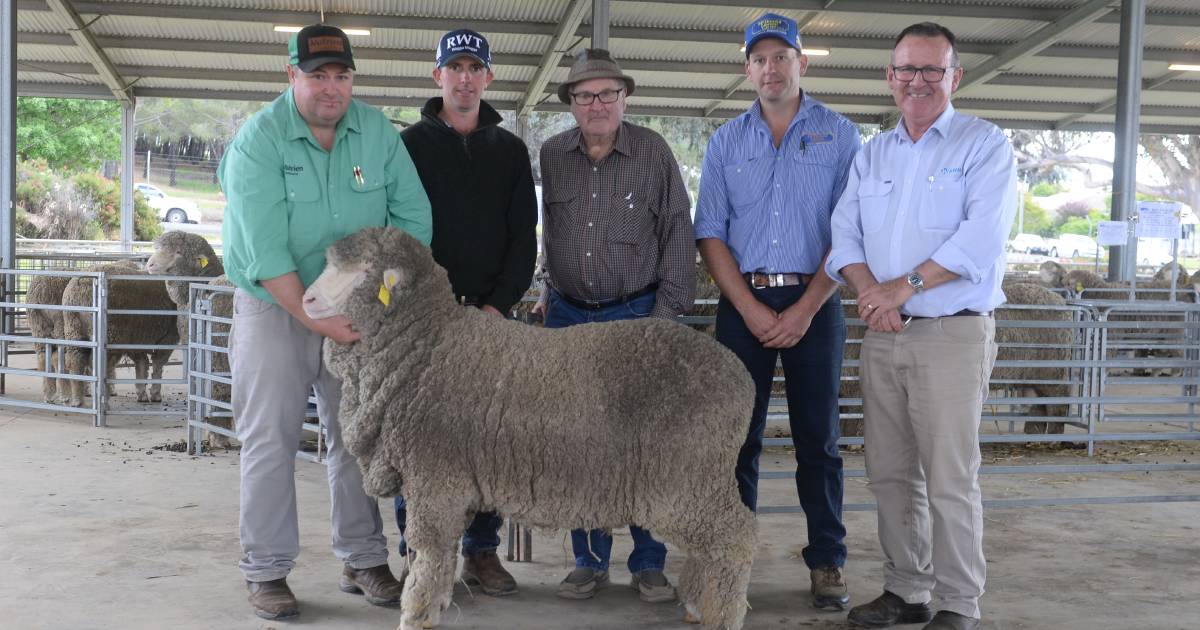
[(203, 262), (1079, 287), (385, 295)]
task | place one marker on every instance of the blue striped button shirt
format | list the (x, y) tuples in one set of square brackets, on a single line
[(949, 197), (771, 206)]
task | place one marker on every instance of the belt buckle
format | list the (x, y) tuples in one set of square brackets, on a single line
[(778, 280)]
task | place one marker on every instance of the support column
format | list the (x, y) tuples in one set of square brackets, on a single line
[(128, 109), (600, 21), (8, 133), (1122, 261)]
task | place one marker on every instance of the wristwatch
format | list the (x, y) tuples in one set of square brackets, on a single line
[(916, 281)]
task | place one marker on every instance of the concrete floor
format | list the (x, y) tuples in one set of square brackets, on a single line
[(101, 529)]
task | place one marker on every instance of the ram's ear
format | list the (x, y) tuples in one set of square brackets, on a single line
[(391, 278)]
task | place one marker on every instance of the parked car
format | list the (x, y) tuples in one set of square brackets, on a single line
[(1073, 246), (1028, 244), (170, 209), (1153, 252)]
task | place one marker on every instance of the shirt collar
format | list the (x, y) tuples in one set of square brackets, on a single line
[(297, 128), (621, 145), (807, 104), (941, 125)]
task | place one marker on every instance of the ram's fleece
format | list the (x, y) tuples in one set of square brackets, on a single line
[(464, 411)]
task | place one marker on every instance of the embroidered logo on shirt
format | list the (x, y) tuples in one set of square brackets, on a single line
[(289, 169), (957, 170), (813, 137)]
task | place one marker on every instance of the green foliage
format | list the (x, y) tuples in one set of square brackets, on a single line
[(68, 134), (179, 120), (1045, 189), (106, 199), (1037, 220), (35, 185)]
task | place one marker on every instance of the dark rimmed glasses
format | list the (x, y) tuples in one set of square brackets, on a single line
[(606, 96), (931, 74)]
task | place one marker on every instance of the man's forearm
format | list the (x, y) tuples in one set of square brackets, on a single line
[(858, 276), (818, 290), (724, 270), (288, 292)]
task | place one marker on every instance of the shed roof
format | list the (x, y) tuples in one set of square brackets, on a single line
[(1048, 63)]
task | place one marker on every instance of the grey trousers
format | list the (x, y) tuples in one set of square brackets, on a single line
[(923, 393), (275, 361)]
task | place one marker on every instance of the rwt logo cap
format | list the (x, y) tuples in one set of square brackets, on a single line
[(773, 25), (317, 45), (464, 41)]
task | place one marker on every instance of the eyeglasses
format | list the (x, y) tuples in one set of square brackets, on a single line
[(931, 74), (605, 96)]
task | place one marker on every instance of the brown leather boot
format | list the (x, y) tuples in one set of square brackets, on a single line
[(484, 570), (273, 599), (377, 584)]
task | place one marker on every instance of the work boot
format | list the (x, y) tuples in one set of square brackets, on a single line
[(377, 584), (484, 570), (272, 599), (582, 583), (888, 609), (946, 620), (652, 586), (829, 588)]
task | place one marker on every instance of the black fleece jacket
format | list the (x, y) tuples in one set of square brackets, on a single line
[(484, 210)]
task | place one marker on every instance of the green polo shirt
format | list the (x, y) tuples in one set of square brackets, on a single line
[(287, 199)]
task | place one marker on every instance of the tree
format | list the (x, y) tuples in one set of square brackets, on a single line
[(68, 134), (1177, 156), (190, 127)]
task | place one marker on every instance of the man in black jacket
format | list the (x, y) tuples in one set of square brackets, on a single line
[(478, 180)]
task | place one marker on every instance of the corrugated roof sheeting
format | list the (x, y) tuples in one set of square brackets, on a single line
[(858, 40)]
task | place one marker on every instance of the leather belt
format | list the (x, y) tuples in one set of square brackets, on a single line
[(596, 305), (470, 300), (963, 313), (760, 280)]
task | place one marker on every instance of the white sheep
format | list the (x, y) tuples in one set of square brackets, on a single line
[(464, 412)]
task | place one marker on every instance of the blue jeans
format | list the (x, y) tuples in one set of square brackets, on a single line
[(592, 549), (812, 370), (483, 534)]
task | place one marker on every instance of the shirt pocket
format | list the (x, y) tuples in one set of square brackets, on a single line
[(943, 206), (630, 224), (746, 183), (873, 198), (306, 214), (369, 202), (561, 207)]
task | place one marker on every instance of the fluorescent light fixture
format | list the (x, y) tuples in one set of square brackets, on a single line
[(811, 52), (1184, 66), (287, 28)]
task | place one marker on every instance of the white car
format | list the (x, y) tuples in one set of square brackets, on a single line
[(1028, 244), (170, 209), (1073, 246)]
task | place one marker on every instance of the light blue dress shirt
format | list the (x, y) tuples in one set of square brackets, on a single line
[(949, 196), (771, 206)]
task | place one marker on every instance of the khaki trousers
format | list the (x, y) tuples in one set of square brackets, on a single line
[(923, 393), (275, 361)]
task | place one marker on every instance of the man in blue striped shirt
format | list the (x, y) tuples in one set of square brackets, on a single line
[(920, 234), (770, 181)]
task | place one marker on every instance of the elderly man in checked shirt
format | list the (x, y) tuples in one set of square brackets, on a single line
[(770, 181), (619, 245)]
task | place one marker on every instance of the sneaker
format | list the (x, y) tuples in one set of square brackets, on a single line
[(377, 584), (652, 586), (946, 620), (888, 609), (829, 588), (582, 583), (485, 571), (273, 599)]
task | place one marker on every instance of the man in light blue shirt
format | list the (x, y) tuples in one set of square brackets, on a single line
[(920, 234), (771, 179)]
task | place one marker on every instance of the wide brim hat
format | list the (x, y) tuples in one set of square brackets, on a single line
[(593, 63)]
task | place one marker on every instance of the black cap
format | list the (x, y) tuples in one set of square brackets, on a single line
[(317, 45)]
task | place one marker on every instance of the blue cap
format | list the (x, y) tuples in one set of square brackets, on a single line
[(464, 41), (773, 25)]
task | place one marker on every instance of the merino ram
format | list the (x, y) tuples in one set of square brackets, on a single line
[(122, 329), (464, 412), (178, 253)]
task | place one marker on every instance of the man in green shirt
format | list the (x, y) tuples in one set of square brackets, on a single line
[(310, 168)]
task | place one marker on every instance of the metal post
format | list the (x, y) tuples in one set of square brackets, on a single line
[(1122, 260), (600, 15), (127, 127), (8, 166)]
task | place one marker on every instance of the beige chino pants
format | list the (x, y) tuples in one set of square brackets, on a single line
[(923, 393), (275, 360)]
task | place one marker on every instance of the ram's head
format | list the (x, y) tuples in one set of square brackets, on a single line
[(367, 276)]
